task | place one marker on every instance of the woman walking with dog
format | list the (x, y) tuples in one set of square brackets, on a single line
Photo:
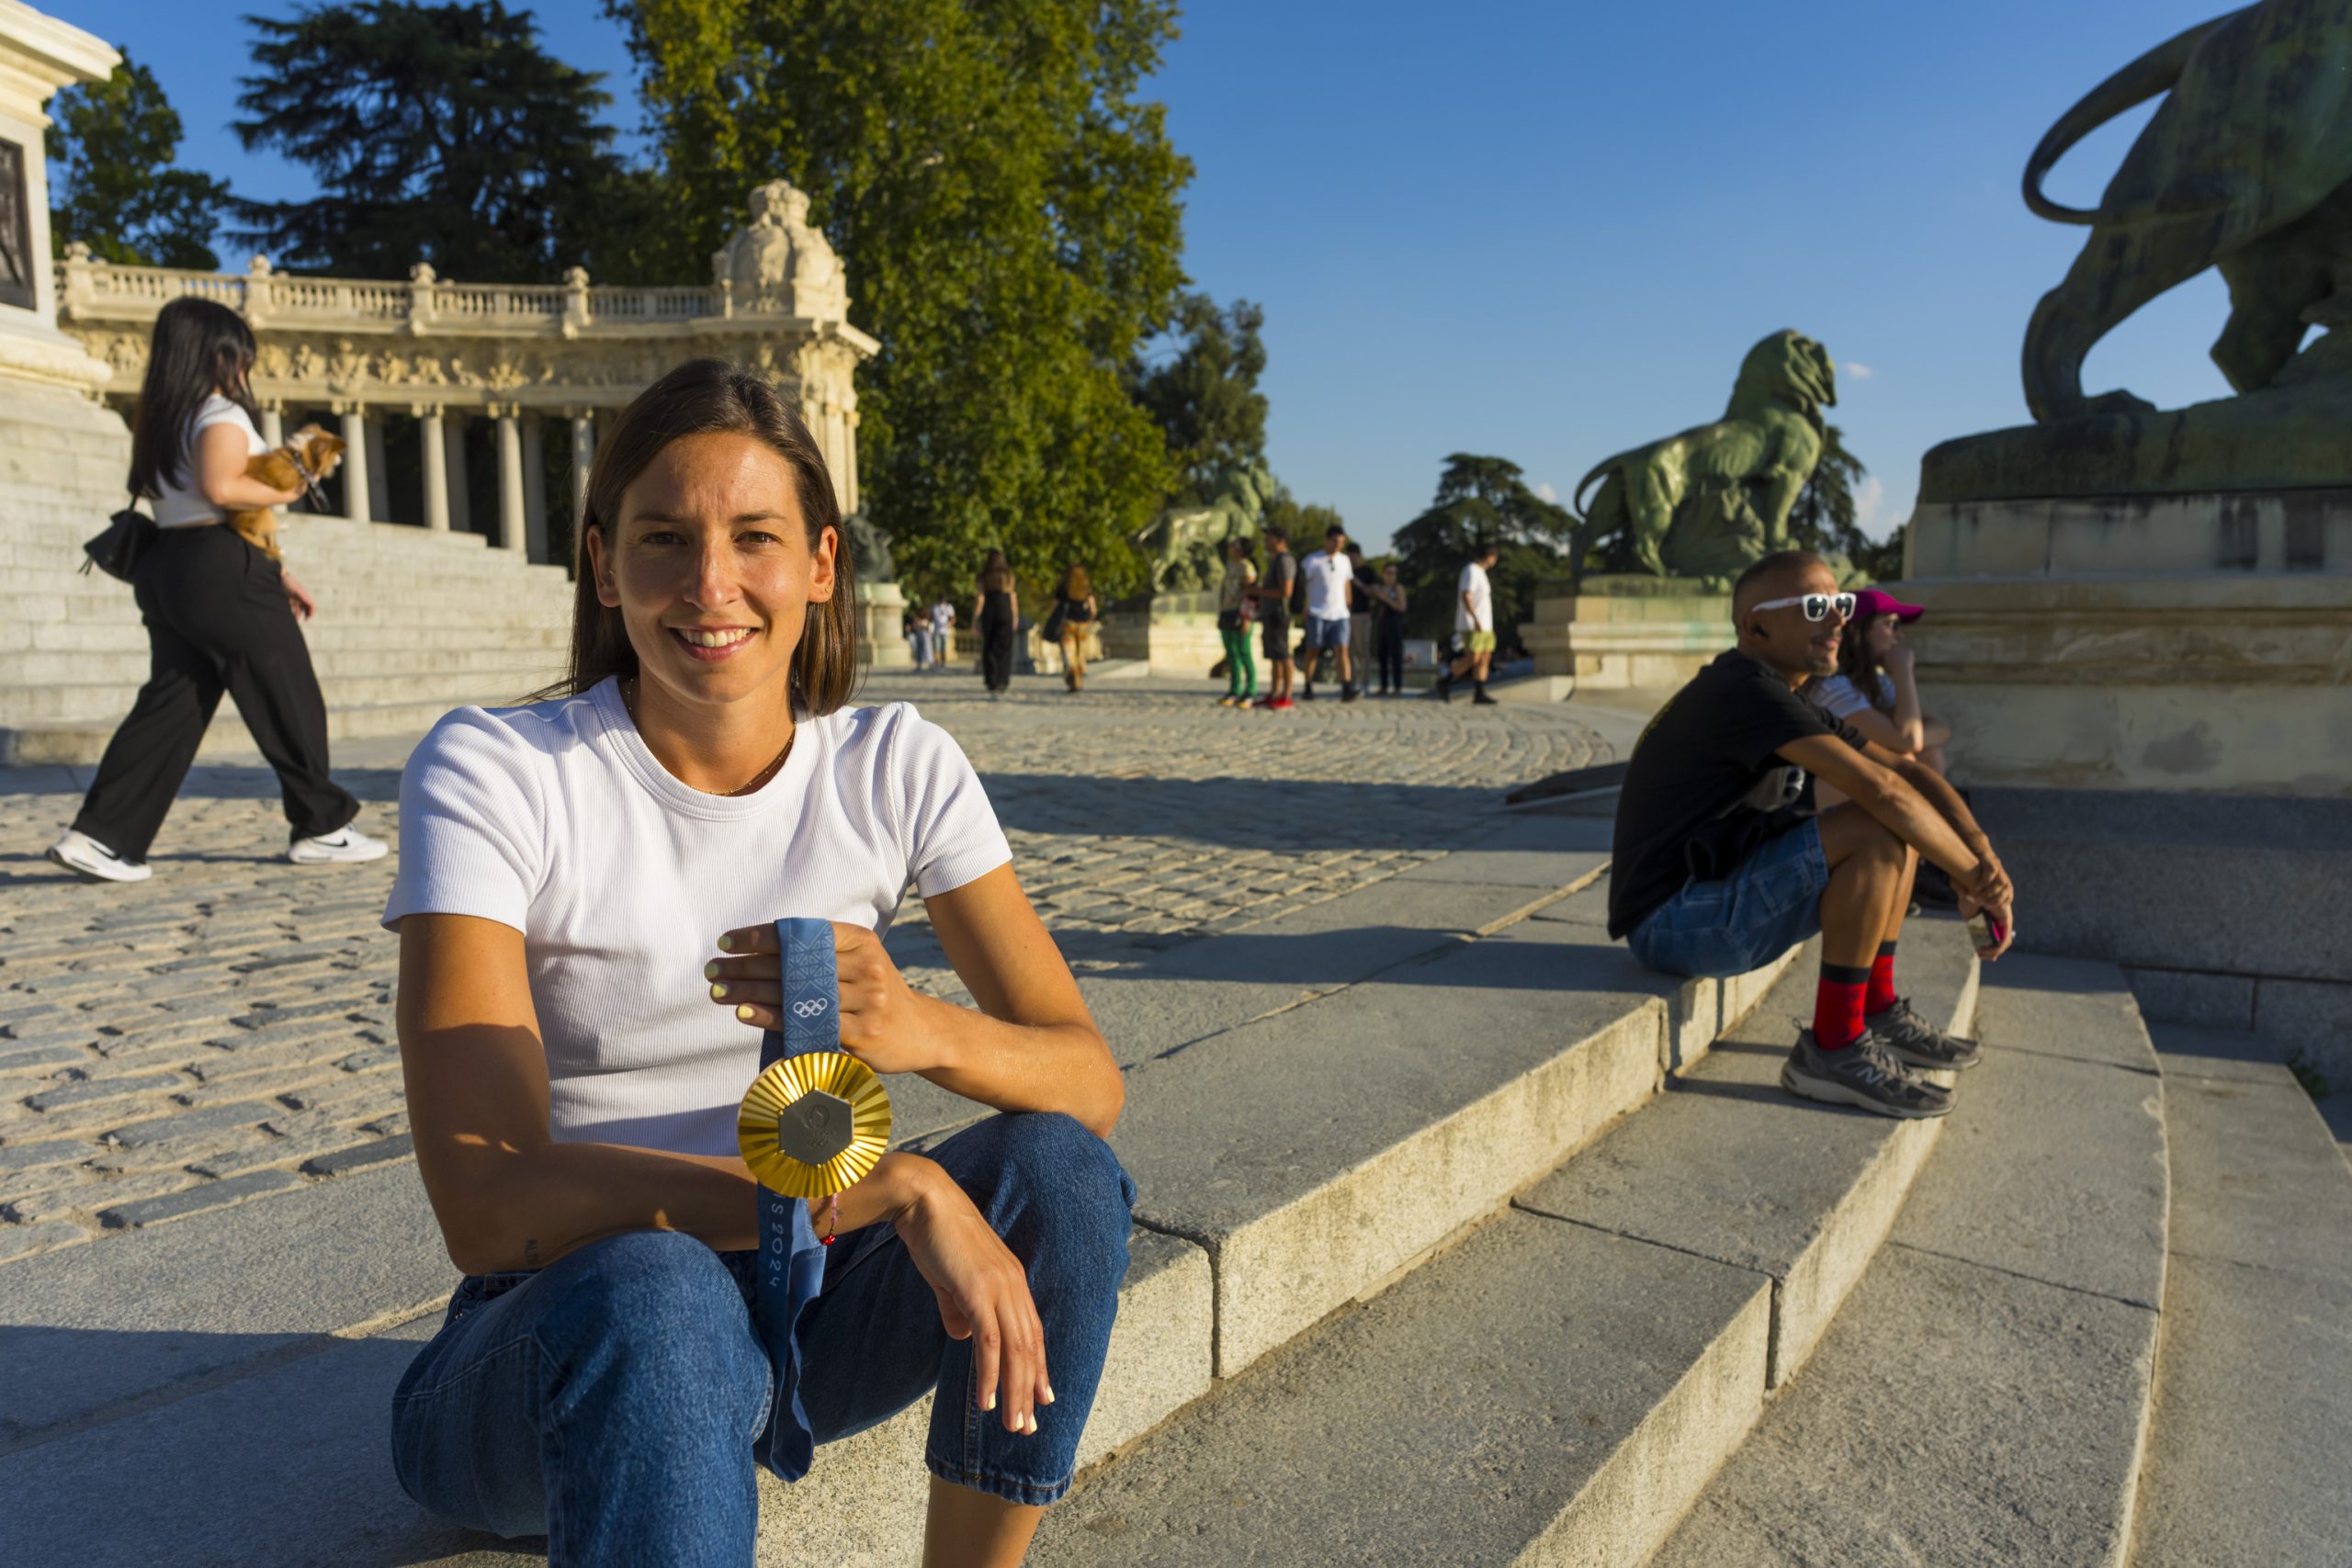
[(220, 615)]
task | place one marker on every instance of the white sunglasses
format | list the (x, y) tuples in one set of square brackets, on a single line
[(1816, 606)]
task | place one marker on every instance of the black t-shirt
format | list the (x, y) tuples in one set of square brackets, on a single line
[(1705, 786)]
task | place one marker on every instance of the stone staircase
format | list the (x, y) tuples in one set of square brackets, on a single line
[(410, 623), (1461, 1241)]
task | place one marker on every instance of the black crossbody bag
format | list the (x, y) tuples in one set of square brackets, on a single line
[(117, 552)]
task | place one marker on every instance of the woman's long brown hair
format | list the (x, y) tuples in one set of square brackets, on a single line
[(705, 397), (1857, 664)]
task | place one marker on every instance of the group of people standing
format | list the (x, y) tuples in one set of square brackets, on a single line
[(996, 613), (1353, 612)]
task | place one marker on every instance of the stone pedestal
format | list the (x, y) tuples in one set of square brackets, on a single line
[(1175, 634), (881, 626), (2191, 642), (2226, 682), (1610, 632)]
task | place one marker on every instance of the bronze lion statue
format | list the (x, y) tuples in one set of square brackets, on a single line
[(1707, 502), (2246, 166)]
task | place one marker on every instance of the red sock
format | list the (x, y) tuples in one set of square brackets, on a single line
[(1837, 1006), (1882, 993)]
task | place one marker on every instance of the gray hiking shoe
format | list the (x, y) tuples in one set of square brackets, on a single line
[(1914, 1041), (1864, 1074)]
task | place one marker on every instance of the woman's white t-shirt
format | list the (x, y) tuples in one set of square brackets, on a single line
[(183, 505), (556, 819), (1841, 698)]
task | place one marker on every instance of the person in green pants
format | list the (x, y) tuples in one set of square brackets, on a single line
[(1235, 611)]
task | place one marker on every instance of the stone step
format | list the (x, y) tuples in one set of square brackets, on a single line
[(83, 742), (1983, 1397), (2245, 1465), (329, 636), (104, 700), (135, 1346), (334, 663), (1561, 1381)]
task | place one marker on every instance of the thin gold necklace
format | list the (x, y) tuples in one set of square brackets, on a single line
[(628, 706)]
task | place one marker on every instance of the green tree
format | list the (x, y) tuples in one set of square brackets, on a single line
[(1007, 208), (111, 183), (1204, 394), (1823, 517), (436, 133), (1481, 499)]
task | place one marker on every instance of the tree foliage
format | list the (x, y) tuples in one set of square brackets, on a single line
[(1205, 393), (1481, 499), (1826, 518), (436, 133), (111, 181), (1007, 208)]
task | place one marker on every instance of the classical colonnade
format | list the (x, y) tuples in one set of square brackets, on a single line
[(362, 352)]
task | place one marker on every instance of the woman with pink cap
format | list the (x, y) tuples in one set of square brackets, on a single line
[(1874, 690)]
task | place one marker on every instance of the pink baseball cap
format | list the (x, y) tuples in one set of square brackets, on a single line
[(1872, 602)]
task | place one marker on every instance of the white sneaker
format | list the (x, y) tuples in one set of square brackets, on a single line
[(93, 862), (345, 846)]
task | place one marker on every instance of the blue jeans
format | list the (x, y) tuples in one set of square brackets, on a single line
[(611, 1400), (1767, 905), (1327, 634)]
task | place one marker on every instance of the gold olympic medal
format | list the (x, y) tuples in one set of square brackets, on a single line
[(812, 1125)]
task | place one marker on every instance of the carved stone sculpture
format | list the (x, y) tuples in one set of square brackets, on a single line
[(1706, 503), (869, 549), (1182, 543), (779, 264)]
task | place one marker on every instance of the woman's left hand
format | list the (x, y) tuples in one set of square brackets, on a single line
[(885, 1024), (299, 597)]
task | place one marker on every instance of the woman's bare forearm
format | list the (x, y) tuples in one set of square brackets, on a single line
[(523, 1208), (1025, 1066)]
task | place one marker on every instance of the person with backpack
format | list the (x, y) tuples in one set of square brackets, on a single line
[(1272, 593), (1066, 624)]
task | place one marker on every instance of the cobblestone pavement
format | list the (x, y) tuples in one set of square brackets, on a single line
[(224, 1030)]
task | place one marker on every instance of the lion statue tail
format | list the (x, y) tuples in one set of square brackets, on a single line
[(2152, 72)]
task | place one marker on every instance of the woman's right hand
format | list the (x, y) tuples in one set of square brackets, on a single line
[(289, 497), (983, 1296), (1899, 659)]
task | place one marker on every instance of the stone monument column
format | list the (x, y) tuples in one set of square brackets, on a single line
[(434, 448), (39, 54), (535, 490), (359, 495), (510, 480), (583, 455)]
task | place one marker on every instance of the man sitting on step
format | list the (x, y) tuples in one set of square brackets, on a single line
[(1721, 863)]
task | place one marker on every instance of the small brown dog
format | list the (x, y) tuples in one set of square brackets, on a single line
[(301, 463)]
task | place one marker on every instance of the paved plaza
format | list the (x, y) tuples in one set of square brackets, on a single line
[(223, 1032)]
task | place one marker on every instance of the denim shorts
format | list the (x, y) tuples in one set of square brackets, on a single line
[(1321, 633), (1745, 921)]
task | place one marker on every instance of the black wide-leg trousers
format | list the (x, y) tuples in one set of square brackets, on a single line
[(217, 620)]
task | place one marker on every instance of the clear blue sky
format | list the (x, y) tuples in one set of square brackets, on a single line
[(1549, 231)]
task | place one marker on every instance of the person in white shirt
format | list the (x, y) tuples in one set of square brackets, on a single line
[(588, 958), (1474, 619), (1330, 579), (220, 616), (943, 631)]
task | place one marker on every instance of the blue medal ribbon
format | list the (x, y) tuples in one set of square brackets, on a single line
[(791, 1263)]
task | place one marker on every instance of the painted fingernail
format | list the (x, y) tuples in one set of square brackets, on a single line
[(718, 993), (710, 970), (1049, 1394), (727, 944), (987, 1400), (744, 1013), (1032, 1424)]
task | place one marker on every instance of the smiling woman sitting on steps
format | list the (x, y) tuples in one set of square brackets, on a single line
[(575, 875)]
